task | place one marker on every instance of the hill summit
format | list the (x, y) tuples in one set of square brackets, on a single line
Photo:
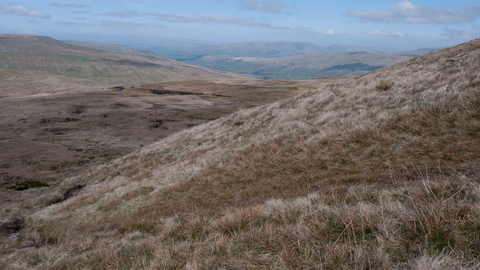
[(378, 172)]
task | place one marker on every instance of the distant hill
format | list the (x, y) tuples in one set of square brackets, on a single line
[(420, 51), (109, 47), (50, 56), (256, 49), (303, 66), (294, 60), (356, 48), (274, 49)]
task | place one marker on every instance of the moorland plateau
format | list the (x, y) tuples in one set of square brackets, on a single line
[(378, 171)]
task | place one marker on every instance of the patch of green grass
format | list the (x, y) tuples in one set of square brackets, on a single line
[(4, 166), (69, 119), (28, 184)]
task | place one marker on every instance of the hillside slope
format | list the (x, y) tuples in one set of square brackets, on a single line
[(108, 47), (50, 56), (16, 83), (379, 172)]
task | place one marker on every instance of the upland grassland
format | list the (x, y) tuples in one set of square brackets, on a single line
[(375, 172)]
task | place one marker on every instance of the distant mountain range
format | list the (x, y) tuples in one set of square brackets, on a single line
[(294, 60), (275, 49), (279, 60), (303, 66)]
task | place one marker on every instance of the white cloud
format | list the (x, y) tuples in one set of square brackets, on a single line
[(369, 15), (289, 30), (66, 23), (462, 35), (32, 21), (129, 24), (249, 22), (407, 12), (74, 5), (263, 6), (387, 34), (127, 13), (241, 21), (303, 30), (157, 25), (23, 11), (404, 5), (330, 32)]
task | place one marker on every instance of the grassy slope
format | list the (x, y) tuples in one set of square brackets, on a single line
[(20, 83), (303, 66), (379, 172), (103, 46), (47, 55)]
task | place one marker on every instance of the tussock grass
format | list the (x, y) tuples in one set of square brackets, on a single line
[(351, 176), (428, 223)]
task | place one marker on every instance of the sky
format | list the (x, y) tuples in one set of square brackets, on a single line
[(403, 24)]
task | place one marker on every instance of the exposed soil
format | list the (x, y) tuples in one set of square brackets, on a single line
[(13, 226), (48, 138)]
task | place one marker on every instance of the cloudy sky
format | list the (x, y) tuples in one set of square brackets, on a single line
[(404, 24)]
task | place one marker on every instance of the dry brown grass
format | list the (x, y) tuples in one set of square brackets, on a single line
[(428, 223), (345, 177)]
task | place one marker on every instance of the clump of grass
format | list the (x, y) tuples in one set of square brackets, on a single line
[(356, 227), (384, 85), (69, 119)]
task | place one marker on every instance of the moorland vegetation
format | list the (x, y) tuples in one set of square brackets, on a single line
[(377, 172)]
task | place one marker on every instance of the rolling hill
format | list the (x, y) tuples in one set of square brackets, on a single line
[(108, 47), (274, 49), (50, 56), (378, 172)]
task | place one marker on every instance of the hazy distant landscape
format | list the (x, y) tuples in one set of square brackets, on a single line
[(278, 60), (302, 66)]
